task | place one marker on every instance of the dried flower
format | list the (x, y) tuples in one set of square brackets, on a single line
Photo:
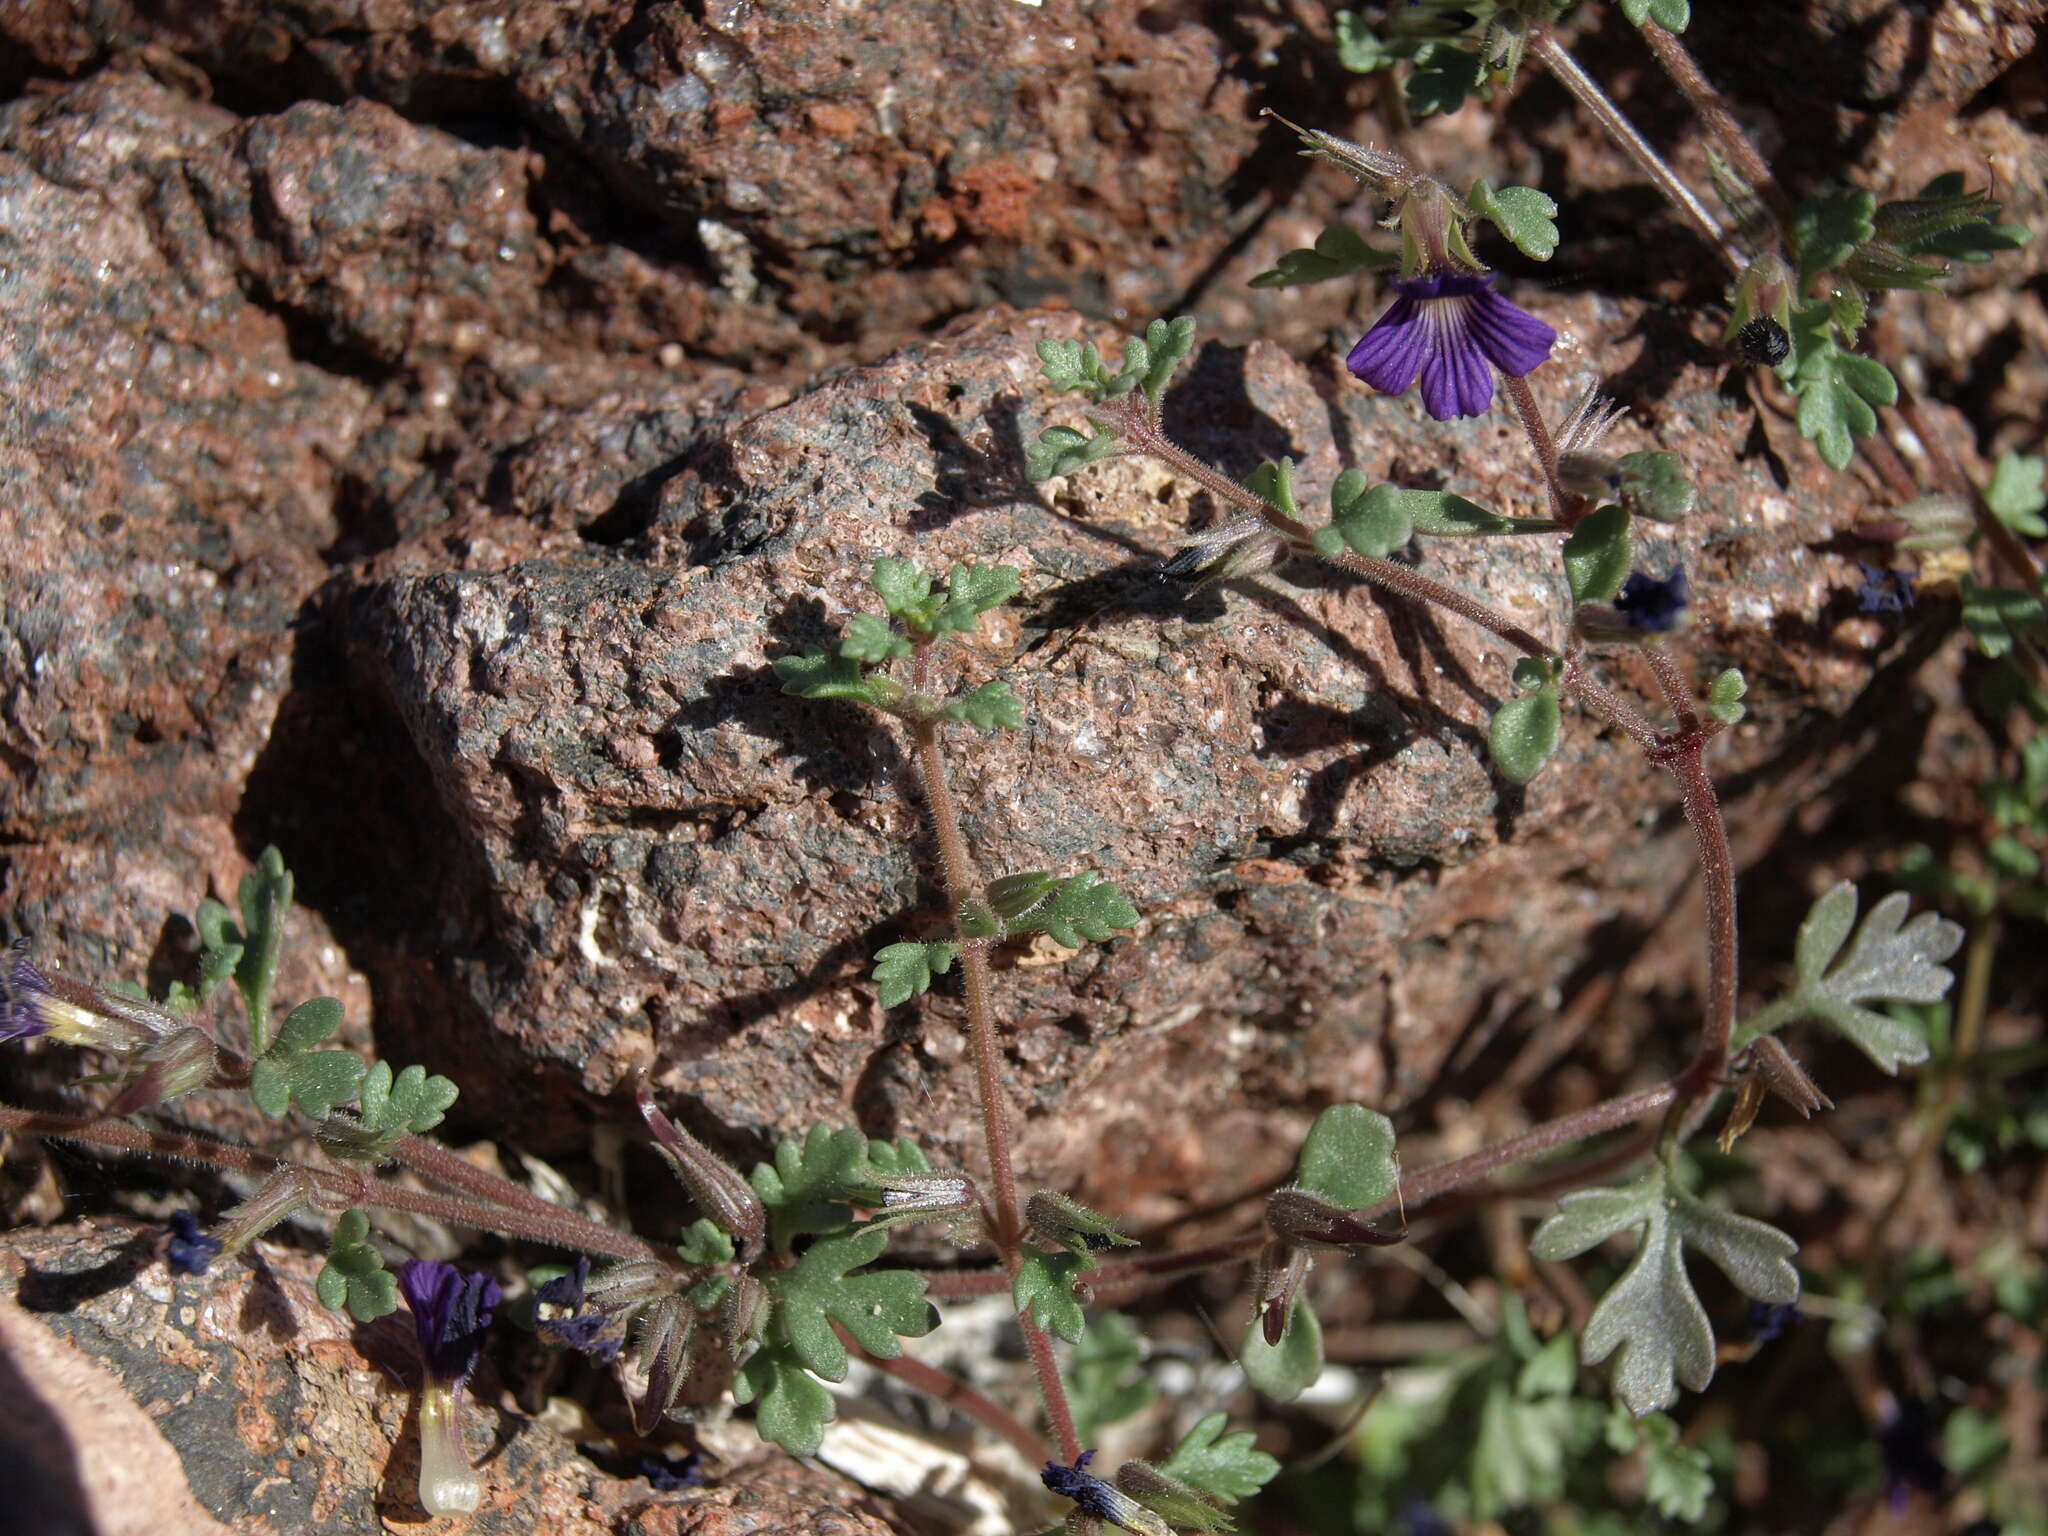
[(1452, 330), (1101, 1500), (451, 1311), (33, 1004)]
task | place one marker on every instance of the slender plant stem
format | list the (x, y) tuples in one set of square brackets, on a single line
[(554, 1226), (1712, 109), (957, 872), (445, 1166), (956, 1394), (1717, 871), (1565, 70), (1524, 401)]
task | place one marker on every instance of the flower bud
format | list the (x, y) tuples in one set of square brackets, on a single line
[(1067, 1224), (283, 1195), (1276, 1282), (1296, 1216), (177, 1064), (1935, 522), (906, 1199), (664, 1350), (726, 1197)]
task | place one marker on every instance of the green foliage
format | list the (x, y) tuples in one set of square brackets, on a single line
[(1084, 907), (292, 1070), (1654, 484), (1348, 1157), (1836, 388), (1225, 1466), (1045, 1286), (2015, 496), (1948, 222), (1443, 515), (1339, 251), (1889, 959), (1105, 1376), (354, 1275), (1273, 483), (1285, 1370), (1148, 363), (1651, 1314), (1725, 694), (1997, 617), (809, 1188), (816, 675), (1524, 731), (1359, 48), (1062, 450), (1598, 555), (1678, 1479), (1444, 75), (876, 1307), (1828, 227), (991, 707), (1367, 518), (706, 1243), (1526, 216), (1671, 15), (390, 1107), (971, 590), (248, 953), (868, 637), (904, 970), (793, 1407)]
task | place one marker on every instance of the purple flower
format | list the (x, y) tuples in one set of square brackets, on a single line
[(451, 1310), (561, 1319), (1884, 590), (189, 1250), (1769, 1320), (33, 1004), (22, 1016), (1650, 605), (1453, 330)]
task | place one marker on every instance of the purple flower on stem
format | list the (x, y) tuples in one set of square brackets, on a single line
[(451, 1310), (1884, 590), (1650, 605), (1452, 330), (189, 1250)]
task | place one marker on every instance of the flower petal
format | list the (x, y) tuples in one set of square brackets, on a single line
[(1513, 339), (1456, 380), (1388, 356)]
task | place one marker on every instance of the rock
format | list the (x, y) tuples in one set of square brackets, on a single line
[(288, 1418)]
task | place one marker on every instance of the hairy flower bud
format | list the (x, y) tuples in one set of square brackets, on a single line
[(666, 1334), (1296, 1216), (176, 1064), (1276, 1282), (727, 1198), (284, 1194), (1067, 1224)]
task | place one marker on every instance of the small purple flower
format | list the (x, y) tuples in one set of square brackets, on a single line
[(567, 1324), (189, 1250), (33, 1004), (1093, 1496), (1650, 605), (1769, 1320), (1453, 330), (1884, 590), (667, 1476), (451, 1310), (20, 1017)]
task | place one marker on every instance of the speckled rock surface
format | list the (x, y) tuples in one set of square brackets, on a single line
[(289, 1419)]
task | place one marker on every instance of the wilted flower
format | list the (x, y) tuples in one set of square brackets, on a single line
[(189, 1250), (451, 1311), (1650, 605), (1450, 329), (1100, 1499)]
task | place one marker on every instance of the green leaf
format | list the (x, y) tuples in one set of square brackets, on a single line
[(1444, 74), (265, 897), (868, 637), (1521, 1451), (1011, 896), (905, 589), (1073, 365), (875, 1308), (1084, 907), (904, 970), (808, 1188), (1348, 1157), (1671, 15), (816, 675), (412, 1101), (1285, 1370), (222, 945), (1045, 1286), (1339, 251), (1358, 50), (1677, 1479), (2015, 496), (1229, 1467), (1062, 450), (1526, 216), (1724, 696), (990, 707), (706, 1243), (971, 590), (1443, 515), (1996, 616), (1889, 960), (1828, 226), (1370, 520), (318, 1080), (1654, 485), (354, 1275), (307, 1025), (1273, 482), (1105, 1380), (1598, 555), (1166, 343), (1651, 1315), (1948, 221), (1836, 389), (793, 1408), (1524, 734)]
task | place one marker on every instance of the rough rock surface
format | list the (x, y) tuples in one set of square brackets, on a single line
[(290, 1419)]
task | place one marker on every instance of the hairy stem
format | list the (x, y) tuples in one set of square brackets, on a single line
[(955, 1394), (551, 1225), (1717, 870), (1565, 70), (1712, 109), (1545, 447)]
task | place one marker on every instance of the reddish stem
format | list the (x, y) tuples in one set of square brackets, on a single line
[(1712, 109), (956, 1394)]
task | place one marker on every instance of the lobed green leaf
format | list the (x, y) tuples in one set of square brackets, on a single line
[(1084, 907), (1526, 216), (904, 970), (1339, 251), (1444, 74), (1044, 1286), (991, 707), (1827, 227), (1227, 1466), (1888, 960), (2015, 495), (1671, 15), (793, 1408), (354, 1276), (868, 637), (876, 1308)]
